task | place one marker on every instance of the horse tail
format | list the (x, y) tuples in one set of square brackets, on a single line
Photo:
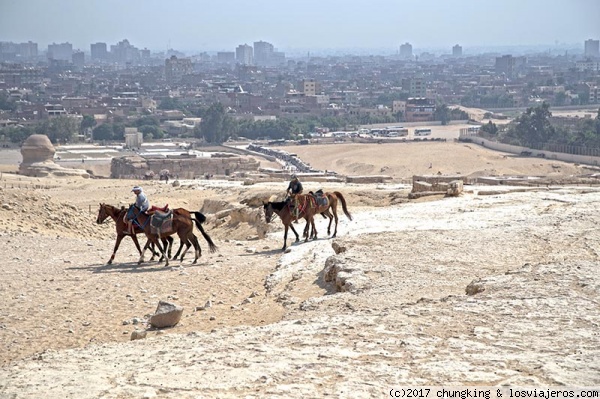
[(199, 218), (343, 200)]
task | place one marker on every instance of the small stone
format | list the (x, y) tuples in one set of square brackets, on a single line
[(138, 334)]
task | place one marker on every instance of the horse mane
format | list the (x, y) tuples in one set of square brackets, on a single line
[(277, 205)]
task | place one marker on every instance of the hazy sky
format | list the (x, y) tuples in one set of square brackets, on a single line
[(205, 25)]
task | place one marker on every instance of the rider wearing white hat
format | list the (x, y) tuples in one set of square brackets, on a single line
[(141, 202)]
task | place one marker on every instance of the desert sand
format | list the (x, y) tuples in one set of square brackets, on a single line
[(490, 288)]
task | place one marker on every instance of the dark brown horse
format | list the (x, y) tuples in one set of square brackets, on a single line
[(181, 225), (117, 215), (284, 209), (328, 209)]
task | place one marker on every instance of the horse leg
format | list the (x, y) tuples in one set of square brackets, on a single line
[(197, 249), (187, 247), (156, 241), (294, 231), (285, 237), (178, 251), (117, 243), (168, 242), (335, 216)]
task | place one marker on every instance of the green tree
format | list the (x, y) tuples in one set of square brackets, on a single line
[(61, 129), (216, 126), (103, 132), (533, 126), (5, 103), (87, 122), (490, 128), (151, 132), (442, 113)]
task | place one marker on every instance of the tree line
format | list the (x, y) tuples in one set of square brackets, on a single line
[(534, 128)]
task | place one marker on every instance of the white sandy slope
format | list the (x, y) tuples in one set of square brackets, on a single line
[(406, 320)]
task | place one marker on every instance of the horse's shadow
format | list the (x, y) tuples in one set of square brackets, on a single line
[(131, 267)]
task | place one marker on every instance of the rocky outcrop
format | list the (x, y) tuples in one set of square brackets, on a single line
[(38, 159)]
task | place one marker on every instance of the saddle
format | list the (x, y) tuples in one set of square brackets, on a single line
[(154, 209), (161, 221), (320, 197)]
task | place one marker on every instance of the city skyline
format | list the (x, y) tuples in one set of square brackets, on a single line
[(187, 26)]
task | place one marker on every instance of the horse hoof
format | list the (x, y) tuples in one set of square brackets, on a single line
[(109, 262)]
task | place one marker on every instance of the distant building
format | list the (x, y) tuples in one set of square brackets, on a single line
[(419, 110), (457, 51), (417, 87), (123, 52), (509, 65), (28, 50), (99, 51), (588, 65), (592, 48), (398, 106), (310, 87), (78, 59), (406, 51), (176, 68), (145, 54), (226, 57), (60, 52), (133, 138), (263, 52), (244, 54)]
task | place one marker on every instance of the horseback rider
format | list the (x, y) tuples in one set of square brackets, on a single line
[(141, 203), (294, 189)]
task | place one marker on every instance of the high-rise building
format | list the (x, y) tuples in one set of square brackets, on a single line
[(406, 51), (176, 68), (457, 51), (99, 51), (28, 50), (244, 54), (123, 52), (78, 59), (505, 65), (592, 48), (263, 52), (60, 52)]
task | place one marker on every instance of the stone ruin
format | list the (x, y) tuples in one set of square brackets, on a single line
[(220, 164), (38, 159), (437, 184)]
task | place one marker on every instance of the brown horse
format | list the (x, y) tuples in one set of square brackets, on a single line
[(117, 215), (284, 209), (327, 209), (181, 225)]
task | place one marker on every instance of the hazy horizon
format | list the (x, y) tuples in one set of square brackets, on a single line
[(310, 25)]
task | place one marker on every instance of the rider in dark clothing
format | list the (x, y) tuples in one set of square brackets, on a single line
[(295, 188)]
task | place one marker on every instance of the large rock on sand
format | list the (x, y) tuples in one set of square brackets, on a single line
[(167, 315)]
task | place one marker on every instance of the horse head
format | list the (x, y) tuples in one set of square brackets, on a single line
[(102, 214), (268, 208)]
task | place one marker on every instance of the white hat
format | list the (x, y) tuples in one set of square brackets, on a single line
[(136, 188)]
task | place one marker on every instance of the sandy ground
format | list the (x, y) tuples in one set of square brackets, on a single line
[(278, 326)]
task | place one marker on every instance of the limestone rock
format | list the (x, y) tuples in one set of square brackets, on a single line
[(167, 314), (138, 334)]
